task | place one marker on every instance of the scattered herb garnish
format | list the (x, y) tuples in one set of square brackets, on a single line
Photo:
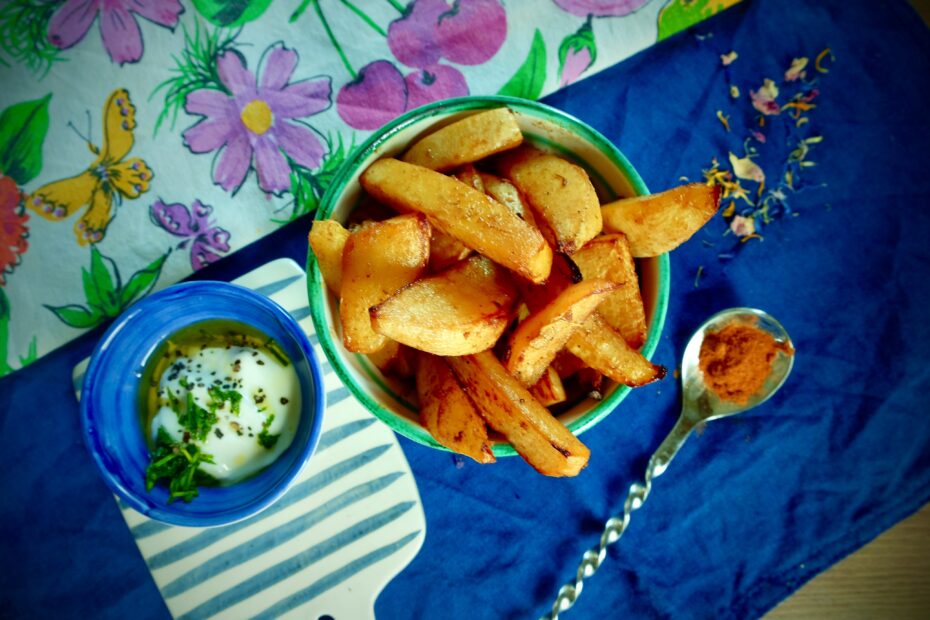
[(266, 439), (218, 396), (179, 463), (195, 419), (275, 350)]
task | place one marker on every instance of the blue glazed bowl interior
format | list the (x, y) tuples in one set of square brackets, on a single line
[(110, 400)]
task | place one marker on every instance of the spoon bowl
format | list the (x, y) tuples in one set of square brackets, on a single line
[(700, 404)]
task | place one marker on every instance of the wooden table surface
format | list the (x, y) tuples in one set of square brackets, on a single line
[(888, 578)]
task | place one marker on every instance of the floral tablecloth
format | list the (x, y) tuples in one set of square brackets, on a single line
[(141, 140)]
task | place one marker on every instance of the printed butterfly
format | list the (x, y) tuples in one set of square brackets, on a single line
[(194, 226), (109, 179)]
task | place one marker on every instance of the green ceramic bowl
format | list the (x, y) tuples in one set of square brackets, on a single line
[(613, 177)]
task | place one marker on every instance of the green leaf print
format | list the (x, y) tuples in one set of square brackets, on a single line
[(105, 295), (141, 281), (22, 131), (102, 286), (4, 333), (31, 355), (678, 15), (24, 34), (24, 360), (195, 68), (231, 13), (529, 79), (77, 316), (308, 186)]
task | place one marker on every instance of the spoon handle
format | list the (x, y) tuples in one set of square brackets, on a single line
[(592, 559)]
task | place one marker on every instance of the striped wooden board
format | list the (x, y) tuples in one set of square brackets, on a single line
[(351, 521)]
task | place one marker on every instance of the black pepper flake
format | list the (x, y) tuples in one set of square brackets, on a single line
[(284, 401), (251, 435), (200, 385), (177, 353), (254, 353), (187, 437), (218, 433), (260, 362), (259, 399)]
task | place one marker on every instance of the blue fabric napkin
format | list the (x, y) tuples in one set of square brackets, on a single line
[(753, 506)]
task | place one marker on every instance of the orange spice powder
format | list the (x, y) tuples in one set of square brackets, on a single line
[(737, 360)]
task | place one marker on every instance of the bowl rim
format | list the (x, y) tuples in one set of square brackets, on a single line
[(165, 513), (317, 290)]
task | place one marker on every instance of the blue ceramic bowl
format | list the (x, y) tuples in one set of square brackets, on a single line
[(110, 401)]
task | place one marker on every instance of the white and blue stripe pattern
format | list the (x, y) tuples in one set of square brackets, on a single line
[(351, 521)]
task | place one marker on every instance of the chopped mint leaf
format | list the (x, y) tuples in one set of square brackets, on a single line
[(266, 439), (218, 396), (179, 464), (195, 419)]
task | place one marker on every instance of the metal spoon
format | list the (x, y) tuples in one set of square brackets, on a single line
[(698, 405)]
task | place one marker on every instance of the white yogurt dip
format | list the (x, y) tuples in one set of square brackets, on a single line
[(246, 405)]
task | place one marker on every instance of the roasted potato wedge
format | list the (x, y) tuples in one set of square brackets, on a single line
[(459, 311), (563, 200), (481, 223), (470, 176), (537, 340), (510, 409), (549, 390), (468, 140), (609, 257), (445, 250), (394, 359), (378, 260), (605, 350), (327, 239), (447, 412), (661, 222), (506, 193)]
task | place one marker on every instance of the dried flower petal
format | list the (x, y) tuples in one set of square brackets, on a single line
[(727, 59), (743, 226), (820, 68), (796, 70), (724, 119), (745, 168), (734, 92), (764, 99)]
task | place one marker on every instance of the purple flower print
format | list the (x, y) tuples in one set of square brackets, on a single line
[(472, 31), (600, 8), (433, 84), (576, 61), (194, 227), (577, 52), (253, 125), (467, 32), (118, 26), (412, 37), (376, 96), (380, 93)]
